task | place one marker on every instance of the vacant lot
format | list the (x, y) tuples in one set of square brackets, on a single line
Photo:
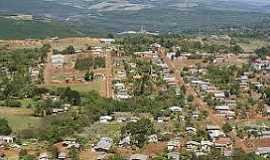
[(82, 87), (19, 118)]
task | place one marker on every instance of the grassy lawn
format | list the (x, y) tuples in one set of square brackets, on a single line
[(253, 44), (19, 118), (99, 130), (83, 88)]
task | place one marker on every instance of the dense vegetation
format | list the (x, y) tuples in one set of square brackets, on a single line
[(13, 29), (89, 63), (15, 80)]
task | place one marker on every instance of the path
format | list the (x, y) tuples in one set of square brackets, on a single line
[(108, 75), (47, 69)]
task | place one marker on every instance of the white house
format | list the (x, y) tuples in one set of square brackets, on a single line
[(7, 139), (58, 59), (105, 119)]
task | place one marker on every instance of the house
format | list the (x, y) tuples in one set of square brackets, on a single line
[(58, 110), (121, 119), (215, 134), (134, 119), (265, 134), (171, 55), (206, 146), (223, 142), (107, 40), (43, 156), (173, 156), (227, 152), (104, 144), (267, 109), (69, 143), (125, 142), (152, 138), (173, 145), (223, 110), (212, 127), (58, 60), (193, 145), (7, 139), (163, 119), (62, 156), (195, 114), (138, 157), (176, 109), (263, 151), (105, 119), (220, 95), (191, 130), (244, 79)]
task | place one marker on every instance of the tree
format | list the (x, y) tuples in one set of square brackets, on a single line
[(23, 155), (110, 35), (89, 76), (73, 154), (69, 50), (227, 128), (4, 127), (139, 131)]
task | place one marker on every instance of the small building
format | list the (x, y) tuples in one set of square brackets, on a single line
[(125, 142), (153, 138), (191, 130), (107, 40), (105, 119), (62, 156), (7, 139), (58, 60), (223, 142), (176, 109), (222, 109), (192, 145), (206, 146), (43, 156), (173, 145), (104, 144), (263, 151)]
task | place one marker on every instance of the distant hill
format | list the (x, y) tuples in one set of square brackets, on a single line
[(99, 16), (20, 29)]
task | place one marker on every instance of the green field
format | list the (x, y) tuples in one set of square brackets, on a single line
[(19, 118), (82, 88)]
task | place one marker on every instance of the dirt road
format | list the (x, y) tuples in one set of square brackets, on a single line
[(109, 74)]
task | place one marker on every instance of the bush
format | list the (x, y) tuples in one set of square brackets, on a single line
[(13, 103)]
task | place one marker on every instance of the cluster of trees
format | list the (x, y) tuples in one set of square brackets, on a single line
[(138, 131), (66, 95), (4, 127), (15, 78), (69, 50), (90, 62), (262, 52), (225, 77)]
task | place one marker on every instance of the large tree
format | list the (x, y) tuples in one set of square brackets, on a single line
[(4, 127), (139, 131)]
